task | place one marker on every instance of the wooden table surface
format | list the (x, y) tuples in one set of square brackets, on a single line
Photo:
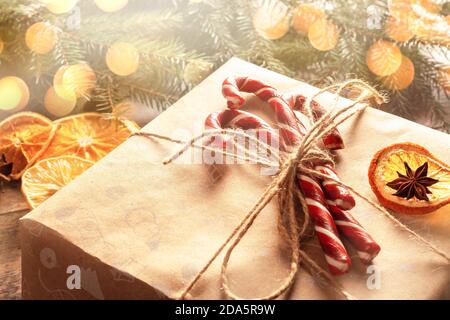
[(12, 208)]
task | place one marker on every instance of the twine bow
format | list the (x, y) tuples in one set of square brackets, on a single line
[(294, 223)]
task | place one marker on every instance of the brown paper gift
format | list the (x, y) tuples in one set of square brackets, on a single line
[(139, 229)]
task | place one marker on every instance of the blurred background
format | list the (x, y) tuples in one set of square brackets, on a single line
[(134, 58)]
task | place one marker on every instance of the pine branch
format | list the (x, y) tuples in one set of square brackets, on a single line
[(213, 20), (145, 24), (68, 51), (113, 90), (296, 52), (179, 41)]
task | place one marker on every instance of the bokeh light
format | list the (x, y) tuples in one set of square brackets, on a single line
[(60, 6), (41, 37), (14, 94), (57, 105), (111, 5), (63, 91), (80, 79), (383, 58), (122, 58)]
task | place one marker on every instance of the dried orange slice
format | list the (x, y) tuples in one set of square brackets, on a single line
[(420, 180), (89, 136), (23, 138), (48, 176)]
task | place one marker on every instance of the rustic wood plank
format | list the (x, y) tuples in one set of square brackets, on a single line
[(10, 269), (12, 208), (10, 278), (11, 199)]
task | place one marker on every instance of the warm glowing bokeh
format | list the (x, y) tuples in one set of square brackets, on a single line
[(403, 77), (383, 58), (60, 6), (122, 58), (14, 94), (41, 37), (80, 79), (64, 92), (57, 105), (271, 26), (323, 35), (111, 5), (304, 16)]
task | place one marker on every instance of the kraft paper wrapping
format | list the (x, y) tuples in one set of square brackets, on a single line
[(139, 229)]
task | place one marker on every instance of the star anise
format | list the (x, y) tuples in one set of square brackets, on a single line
[(414, 184)]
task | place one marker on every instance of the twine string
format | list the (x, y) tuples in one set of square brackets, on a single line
[(250, 156)]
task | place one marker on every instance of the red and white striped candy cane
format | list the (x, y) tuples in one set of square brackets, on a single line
[(232, 118), (335, 192), (336, 255), (333, 140), (366, 248), (290, 130)]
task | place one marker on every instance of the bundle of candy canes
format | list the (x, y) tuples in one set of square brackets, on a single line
[(327, 201)]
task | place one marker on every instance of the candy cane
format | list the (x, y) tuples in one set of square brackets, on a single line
[(333, 140), (367, 249), (335, 192), (336, 255), (232, 118), (289, 127)]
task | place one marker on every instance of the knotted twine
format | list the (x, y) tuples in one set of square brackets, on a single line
[(293, 221)]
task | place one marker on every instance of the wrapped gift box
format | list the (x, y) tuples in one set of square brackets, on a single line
[(135, 228)]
